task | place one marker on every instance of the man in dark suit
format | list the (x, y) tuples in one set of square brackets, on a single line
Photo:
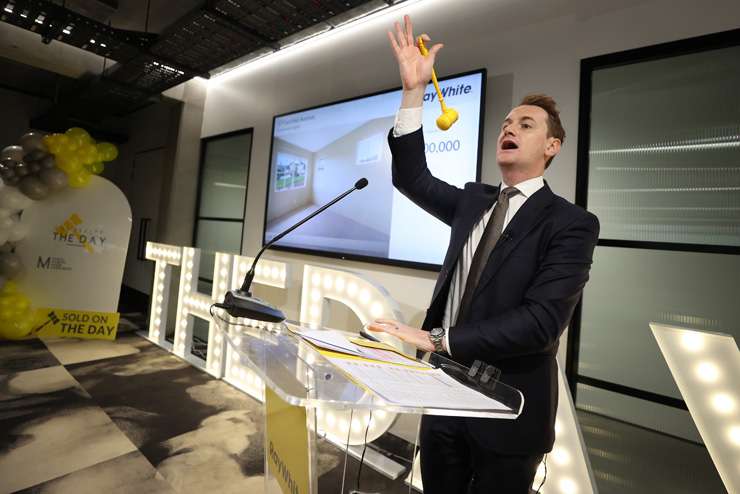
[(517, 262)]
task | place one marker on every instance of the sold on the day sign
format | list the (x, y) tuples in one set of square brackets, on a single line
[(77, 324)]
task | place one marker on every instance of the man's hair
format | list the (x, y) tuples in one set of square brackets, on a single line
[(554, 127)]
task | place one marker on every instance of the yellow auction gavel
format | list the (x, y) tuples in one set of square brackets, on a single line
[(449, 115)]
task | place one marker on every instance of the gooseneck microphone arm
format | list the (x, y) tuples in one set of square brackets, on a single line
[(360, 184)]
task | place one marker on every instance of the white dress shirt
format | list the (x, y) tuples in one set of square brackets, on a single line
[(408, 120)]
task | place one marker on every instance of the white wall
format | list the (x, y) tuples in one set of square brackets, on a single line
[(526, 45), (331, 162)]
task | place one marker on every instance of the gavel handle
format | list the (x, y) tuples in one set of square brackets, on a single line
[(425, 52)]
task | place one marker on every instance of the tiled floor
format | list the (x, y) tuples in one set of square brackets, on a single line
[(128, 417)]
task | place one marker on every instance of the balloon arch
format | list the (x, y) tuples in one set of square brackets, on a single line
[(38, 166)]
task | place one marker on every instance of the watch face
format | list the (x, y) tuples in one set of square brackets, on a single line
[(437, 332)]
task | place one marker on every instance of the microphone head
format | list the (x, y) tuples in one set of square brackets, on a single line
[(361, 183)]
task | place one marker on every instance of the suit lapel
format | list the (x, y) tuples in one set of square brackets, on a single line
[(532, 212), (480, 203)]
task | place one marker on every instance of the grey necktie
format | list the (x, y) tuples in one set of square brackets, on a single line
[(487, 242)]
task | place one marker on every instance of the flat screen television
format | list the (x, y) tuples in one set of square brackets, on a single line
[(318, 153)]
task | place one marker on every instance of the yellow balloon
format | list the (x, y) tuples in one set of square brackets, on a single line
[(69, 162), (88, 153), (79, 179), (6, 313), (78, 135), (107, 151), (10, 287), (97, 168), (21, 303), (17, 328)]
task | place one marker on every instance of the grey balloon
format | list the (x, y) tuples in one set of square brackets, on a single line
[(14, 152), (48, 161), (54, 178), (21, 169), (34, 188), (35, 155), (35, 167), (10, 265), (32, 140), (8, 163)]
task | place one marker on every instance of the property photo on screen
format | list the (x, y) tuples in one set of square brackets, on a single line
[(319, 153)]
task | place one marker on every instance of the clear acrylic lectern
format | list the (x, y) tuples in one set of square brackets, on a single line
[(306, 395)]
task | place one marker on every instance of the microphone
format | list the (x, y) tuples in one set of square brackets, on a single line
[(241, 303)]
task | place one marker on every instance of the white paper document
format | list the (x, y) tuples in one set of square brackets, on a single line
[(337, 342), (406, 386), (330, 340)]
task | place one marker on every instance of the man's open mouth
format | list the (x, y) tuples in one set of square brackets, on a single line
[(508, 144)]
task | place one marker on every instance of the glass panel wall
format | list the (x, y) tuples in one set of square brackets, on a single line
[(219, 222), (662, 161)]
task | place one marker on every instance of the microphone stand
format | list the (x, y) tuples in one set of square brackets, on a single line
[(241, 303)]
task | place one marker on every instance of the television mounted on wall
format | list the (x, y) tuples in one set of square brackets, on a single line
[(318, 153)]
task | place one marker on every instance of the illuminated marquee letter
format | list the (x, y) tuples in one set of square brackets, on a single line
[(369, 302), (164, 257), (267, 272), (192, 304), (706, 368)]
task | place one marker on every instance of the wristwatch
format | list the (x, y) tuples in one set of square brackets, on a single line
[(437, 336)]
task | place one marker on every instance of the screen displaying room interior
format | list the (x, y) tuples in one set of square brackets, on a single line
[(320, 152)]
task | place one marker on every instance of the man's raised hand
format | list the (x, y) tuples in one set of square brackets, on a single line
[(415, 69)]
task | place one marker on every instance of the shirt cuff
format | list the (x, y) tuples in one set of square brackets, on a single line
[(446, 341), (408, 120)]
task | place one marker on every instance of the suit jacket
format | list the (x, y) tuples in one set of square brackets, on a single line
[(525, 297)]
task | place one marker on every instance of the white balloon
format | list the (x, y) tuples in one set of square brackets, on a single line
[(6, 223), (13, 199), (4, 213), (4, 234), (17, 232)]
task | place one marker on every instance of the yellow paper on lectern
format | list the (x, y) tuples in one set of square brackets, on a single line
[(77, 324), (287, 444)]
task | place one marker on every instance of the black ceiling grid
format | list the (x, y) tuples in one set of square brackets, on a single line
[(210, 36)]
